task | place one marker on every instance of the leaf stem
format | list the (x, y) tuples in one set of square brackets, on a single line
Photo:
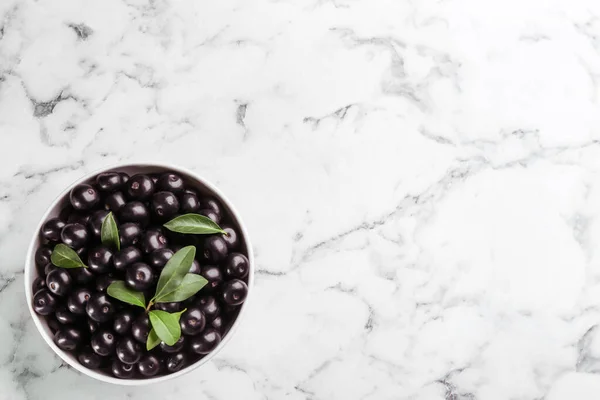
[(150, 304)]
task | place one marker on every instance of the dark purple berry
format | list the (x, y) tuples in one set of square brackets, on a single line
[(149, 365), (82, 276), (78, 218), (78, 300), (170, 182), (175, 362), (126, 257), (139, 276), (42, 258), (189, 203), (100, 307), (215, 249), (231, 237), (212, 203), (38, 284), (64, 316), (140, 328), (129, 234), (84, 197), (175, 348), (95, 222), (44, 302), (195, 268), (100, 260), (103, 282), (49, 268), (135, 211), (218, 323), (209, 307), (205, 342), (158, 258), (92, 325), (51, 230), (123, 322), (237, 266), (139, 187), (109, 181), (68, 338), (153, 240), (192, 321), (168, 307), (89, 359), (234, 292), (213, 275), (164, 205), (115, 201), (210, 214), (129, 351), (74, 235), (121, 370), (103, 342), (124, 177)]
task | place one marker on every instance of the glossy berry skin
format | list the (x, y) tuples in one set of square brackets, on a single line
[(189, 203), (121, 370), (100, 307), (192, 321), (123, 321), (135, 211), (159, 258), (215, 249), (126, 257), (213, 275), (68, 338), (51, 230), (89, 359), (237, 266), (140, 328), (218, 324), (168, 307), (175, 348), (103, 342), (78, 300), (234, 292), (74, 235), (170, 182), (152, 240), (64, 316), (139, 276), (212, 203), (95, 222), (149, 365), (128, 350), (205, 342), (195, 268), (49, 268), (231, 238), (109, 181), (211, 214), (103, 282), (78, 218), (82, 276), (38, 284), (100, 260), (84, 197), (139, 187), (164, 205), (124, 177), (44, 303), (129, 234), (42, 258), (209, 307), (115, 201), (175, 362), (92, 326)]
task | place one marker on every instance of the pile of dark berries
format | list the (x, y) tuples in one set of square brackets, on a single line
[(118, 232)]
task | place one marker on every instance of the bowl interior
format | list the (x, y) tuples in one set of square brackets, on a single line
[(191, 180)]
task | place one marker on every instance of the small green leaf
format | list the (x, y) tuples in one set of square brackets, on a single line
[(193, 223), (153, 340), (65, 257), (190, 285), (166, 326), (109, 233), (119, 291), (172, 274)]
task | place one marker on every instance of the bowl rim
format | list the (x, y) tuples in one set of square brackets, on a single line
[(30, 265)]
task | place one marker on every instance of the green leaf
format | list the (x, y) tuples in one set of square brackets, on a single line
[(120, 291), (166, 326), (189, 286), (153, 340), (109, 233), (172, 274), (65, 257), (193, 223)]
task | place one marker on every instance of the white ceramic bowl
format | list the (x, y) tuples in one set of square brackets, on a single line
[(191, 179)]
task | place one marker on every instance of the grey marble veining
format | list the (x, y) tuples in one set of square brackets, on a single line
[(420, 180)]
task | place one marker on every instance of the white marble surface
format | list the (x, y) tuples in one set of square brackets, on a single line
[(421, 180)]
